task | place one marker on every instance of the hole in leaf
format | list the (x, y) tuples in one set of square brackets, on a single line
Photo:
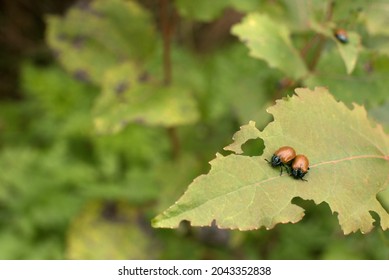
[(184, 228), (321, 215), (376, 217), (213, 236), (253, 147)]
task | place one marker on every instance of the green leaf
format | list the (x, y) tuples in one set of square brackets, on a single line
[(40, 191), (64, 109), (171, 177), (111, 230), (350, 51), (129, 96), (381, 114), (95, 36), (367, 85), (270, 40), (240, 84), (377, 20), (349, 163), (379, 44)]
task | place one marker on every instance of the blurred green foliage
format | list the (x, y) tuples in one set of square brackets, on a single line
[(70, 190)]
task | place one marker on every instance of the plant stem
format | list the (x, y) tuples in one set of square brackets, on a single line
[(166, 34), (319, 39), (166, 27)]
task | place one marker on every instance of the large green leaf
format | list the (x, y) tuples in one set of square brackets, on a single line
[(270, 40), (95, 36), (349, 165)]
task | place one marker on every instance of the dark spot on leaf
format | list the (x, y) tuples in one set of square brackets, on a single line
[(56, 53), (62, 37), (368, 67), (78, 42), (81, 75), (144, 77), (121, 87), (139, 120), (122, 58), (124, 123), (110, 211), (85, 6), (96, 13)]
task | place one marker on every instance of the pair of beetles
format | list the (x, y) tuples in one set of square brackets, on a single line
[(296, 165)]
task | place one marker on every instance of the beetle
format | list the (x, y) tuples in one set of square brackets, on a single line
[(341, 35), (299, 167), (282, 157)]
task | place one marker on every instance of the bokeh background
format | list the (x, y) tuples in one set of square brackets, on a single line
[(109, 109)]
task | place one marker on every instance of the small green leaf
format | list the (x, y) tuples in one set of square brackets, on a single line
[(270, 40), (349, 163), (129, 96), (350, 51)]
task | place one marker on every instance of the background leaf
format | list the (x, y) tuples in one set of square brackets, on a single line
[(95, 36), (65, 190), (366, 86), (246, 193), (270, 41), (127, 97), (349, 52), (109, 231)]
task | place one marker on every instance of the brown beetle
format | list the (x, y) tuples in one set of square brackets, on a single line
[(300, 167), (282, 157), (341, 35)]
